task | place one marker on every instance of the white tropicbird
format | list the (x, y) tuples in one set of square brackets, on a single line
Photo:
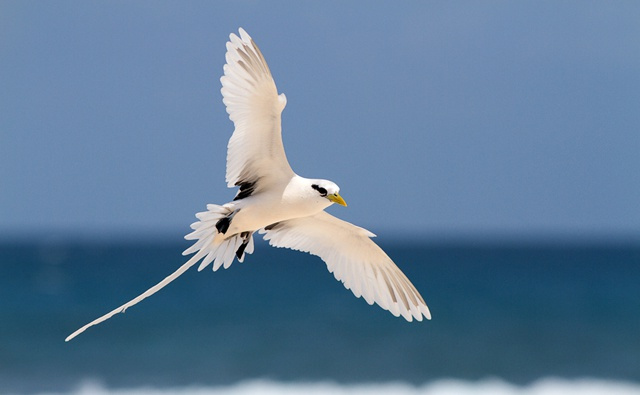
[(275, 201)]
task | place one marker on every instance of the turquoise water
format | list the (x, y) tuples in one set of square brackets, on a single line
[(517, 314)]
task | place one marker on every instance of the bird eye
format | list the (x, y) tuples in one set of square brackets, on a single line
[(321, 190)]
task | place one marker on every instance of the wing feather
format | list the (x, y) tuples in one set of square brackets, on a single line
[(255, 152), (354, 259)]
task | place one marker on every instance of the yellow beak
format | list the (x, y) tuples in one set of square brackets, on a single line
[(337, 199)]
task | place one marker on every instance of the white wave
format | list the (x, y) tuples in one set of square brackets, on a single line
[(547, 386)]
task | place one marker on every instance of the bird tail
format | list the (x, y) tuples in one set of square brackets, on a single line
[(212, 245), (212, 240)]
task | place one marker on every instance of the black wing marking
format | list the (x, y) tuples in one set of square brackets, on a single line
[(246, 189)]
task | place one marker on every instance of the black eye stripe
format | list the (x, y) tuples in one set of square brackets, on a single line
[(321, 190)]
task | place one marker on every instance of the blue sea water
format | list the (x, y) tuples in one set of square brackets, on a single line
[(507, 318)]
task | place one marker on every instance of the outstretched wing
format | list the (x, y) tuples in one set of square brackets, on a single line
[(255, 154), (354, 259)]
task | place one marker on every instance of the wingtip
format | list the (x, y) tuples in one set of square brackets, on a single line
[(425, 312), (244, 36)]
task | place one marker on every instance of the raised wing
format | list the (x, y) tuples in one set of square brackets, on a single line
[(255, 151), (354, 259)]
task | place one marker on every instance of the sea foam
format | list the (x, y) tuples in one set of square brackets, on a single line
[(547, 386)]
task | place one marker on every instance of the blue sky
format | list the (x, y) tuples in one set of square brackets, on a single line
[(442, 119)]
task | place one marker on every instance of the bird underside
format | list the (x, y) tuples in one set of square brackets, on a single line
[(222, 226)]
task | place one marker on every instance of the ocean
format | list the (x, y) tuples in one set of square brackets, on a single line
[(508, 318)]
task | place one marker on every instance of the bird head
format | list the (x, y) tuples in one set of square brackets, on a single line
[(328, 190)]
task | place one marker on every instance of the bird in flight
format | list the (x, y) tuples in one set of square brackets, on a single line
[(273, 200)]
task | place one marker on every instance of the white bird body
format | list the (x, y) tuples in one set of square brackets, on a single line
[(273, 200), (279, 203)]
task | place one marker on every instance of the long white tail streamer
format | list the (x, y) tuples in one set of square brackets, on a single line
[(194, 259)]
